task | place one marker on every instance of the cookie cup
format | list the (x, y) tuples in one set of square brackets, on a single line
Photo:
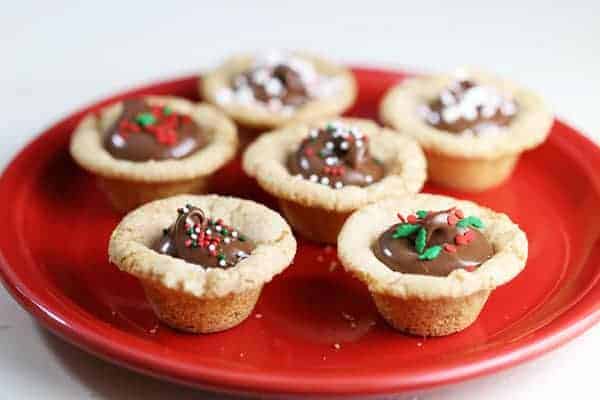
[(129, 184), (255, 117), (461, 161), (429, 305), (190, 297), (318, 211)]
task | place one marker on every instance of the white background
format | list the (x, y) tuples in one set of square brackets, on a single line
[(58, 55)]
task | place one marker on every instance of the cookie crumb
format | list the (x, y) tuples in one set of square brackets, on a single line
[(419, 344), (332, 266), (348, 317), (242, 355), (337, 346)]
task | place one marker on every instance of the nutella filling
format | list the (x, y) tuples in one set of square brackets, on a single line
[(144, 132), (466, 107), (203, 241), (434, 243), (280, 82), (336, 156)]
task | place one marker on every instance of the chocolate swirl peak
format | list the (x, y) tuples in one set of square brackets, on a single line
[(336, 156), (466, 107), (146, 132), (434, 243), (203, 241)]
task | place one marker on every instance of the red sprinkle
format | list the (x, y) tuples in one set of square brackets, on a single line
[(309, 151), (411, 219), (459, 213), (452, 219), (449, 248), (470, 268), (188, 243), (466, 238), (401, 217)]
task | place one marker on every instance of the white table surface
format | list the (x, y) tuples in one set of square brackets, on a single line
[(59, 55)]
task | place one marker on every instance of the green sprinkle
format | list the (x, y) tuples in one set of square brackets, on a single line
[(145, 119), (422, 214), (330, 128), (421, 240), (323, 153), (405, 230), (167, 110), (221, 257), (241, 238), (431, 253), (470, 221), (377, 161), (224, 232)]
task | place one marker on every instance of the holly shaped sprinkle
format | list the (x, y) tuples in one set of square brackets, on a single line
[(405, 230), (431, 253), (145, 119), (470, 222)]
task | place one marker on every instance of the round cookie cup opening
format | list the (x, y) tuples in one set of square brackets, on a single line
[(439, 317), (472, 175), (188, 313)]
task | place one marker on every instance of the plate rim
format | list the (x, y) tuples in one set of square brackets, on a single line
[(573, 321)]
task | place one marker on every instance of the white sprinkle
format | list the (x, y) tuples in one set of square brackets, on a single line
[(234, 234), (273, 87), (339, 185), (222, 263), (387, 252), (368, 179), (329, 145), (324, 180), (227, 240), (432, 117), (451, 114), (331, 161), (313, 133), (344, 145), (447, 98), (218, 228), (488, 112), (304, 164), (212, 247), (194, 236), (313, 178), (508, 108), (208, 231), (470, 113)]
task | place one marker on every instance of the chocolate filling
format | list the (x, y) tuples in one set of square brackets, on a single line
[(336, 156), (466, 106), (203, 241), (280, 82), (144, 132), (434, 243)]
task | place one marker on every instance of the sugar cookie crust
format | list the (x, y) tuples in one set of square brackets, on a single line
[(129, 246), (259, 116), (364, 227), (404, 162), (528, 128), (88, 150)]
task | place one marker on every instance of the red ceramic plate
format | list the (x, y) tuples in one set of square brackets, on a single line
[(56, 226)]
